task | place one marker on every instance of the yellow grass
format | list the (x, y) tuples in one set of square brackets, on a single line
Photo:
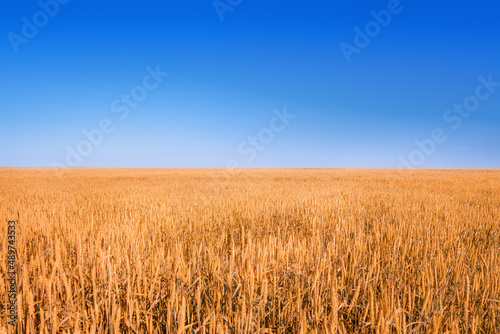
[(260, 251)]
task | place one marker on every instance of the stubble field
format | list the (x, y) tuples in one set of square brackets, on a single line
[(255, 251)]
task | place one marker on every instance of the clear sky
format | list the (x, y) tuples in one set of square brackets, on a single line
[(250, 83)]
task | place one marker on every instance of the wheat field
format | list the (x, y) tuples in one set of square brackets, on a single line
[(253, 251)]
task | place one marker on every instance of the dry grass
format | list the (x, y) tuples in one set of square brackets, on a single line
[(264, 251)]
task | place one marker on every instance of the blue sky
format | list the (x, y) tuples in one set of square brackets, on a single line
[(229, 79)]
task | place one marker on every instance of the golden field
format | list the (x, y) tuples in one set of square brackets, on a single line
[(255, 251)]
